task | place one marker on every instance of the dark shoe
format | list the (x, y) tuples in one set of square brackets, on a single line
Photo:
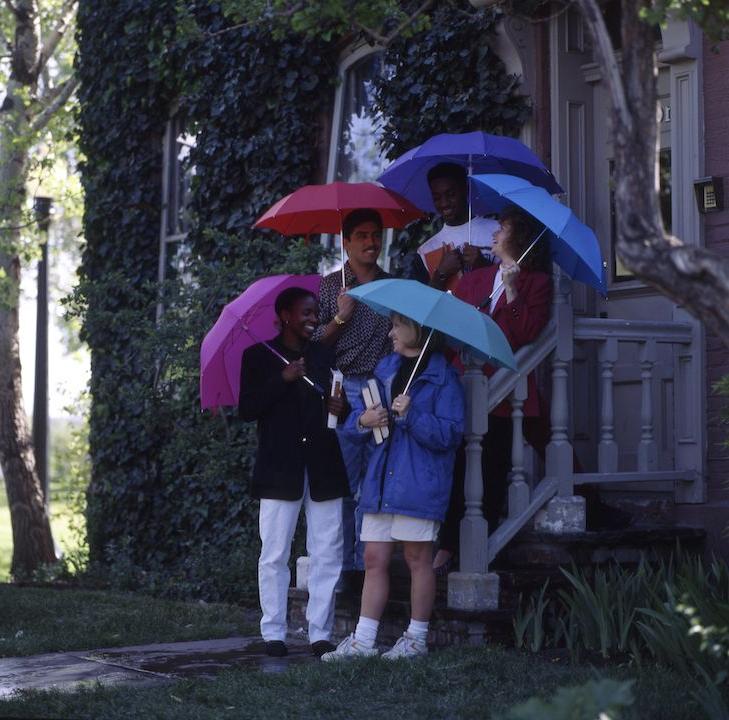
[(276, 648), (320, 647)]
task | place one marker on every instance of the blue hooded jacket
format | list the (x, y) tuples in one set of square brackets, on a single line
[(412, 472)]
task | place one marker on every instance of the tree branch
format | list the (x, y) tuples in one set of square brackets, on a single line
[(608, 62), (64, 91), (56, 35), (11, 7), (385, 40), (677, 271), (284, 14)]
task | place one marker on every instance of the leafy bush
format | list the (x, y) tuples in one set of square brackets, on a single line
[(597, 699), (675, 613), (168, 492)]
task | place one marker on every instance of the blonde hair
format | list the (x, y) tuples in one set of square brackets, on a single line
[(417, 327), (437, 342)]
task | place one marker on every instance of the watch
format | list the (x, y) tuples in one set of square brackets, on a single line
[(339, 320)]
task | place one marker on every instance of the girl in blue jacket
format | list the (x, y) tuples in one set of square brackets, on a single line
[(406, 488)]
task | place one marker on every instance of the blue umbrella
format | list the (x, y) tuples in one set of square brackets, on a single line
[(478, 152), (463, 324), (574, 246)]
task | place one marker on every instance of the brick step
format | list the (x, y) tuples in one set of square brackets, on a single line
[(532, 549)]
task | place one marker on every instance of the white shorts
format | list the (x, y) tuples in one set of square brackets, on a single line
[(386, 527)]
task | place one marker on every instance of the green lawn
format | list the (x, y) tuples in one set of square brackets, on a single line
[(60, 521), (37, 620), (456, 683)]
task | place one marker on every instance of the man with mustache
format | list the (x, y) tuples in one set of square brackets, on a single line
[(360, 340)]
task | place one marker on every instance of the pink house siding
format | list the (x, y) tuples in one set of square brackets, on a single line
[(716, 236)]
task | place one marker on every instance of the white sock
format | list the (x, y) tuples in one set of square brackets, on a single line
[(418, 630), (366, 631)]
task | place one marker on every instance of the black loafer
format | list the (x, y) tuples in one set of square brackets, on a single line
[(276, 648), (320, 647)]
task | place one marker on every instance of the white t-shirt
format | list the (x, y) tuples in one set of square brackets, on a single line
[(452, 237)]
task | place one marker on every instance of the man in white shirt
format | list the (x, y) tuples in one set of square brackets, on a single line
[(457, 247)]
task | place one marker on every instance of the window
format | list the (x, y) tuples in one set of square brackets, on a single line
[(356, 153), (177, 176), (620, 272)]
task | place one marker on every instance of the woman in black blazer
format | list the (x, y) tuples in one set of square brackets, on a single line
[(298, 461)]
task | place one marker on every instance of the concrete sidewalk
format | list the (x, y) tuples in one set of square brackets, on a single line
[(144, 664)]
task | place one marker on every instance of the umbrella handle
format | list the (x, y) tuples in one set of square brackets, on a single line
[(341, 250), (417, 364), (288, 362), (518, 262), (470, 172), (316, 387)]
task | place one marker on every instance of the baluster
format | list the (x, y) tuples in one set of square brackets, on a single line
[(518, 488), (647, 450), (472, 587), (566, 512), (607, 458), (474, 528), (559, 460)]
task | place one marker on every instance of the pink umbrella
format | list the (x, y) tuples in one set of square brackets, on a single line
[(249, 319)]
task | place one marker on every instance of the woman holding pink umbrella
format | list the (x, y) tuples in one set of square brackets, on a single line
[(298, 461)]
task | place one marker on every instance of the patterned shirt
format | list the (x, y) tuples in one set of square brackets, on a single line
[(363, 341)]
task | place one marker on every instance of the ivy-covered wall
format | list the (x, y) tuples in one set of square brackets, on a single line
[(167, 505)]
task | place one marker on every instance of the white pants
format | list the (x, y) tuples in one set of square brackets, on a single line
[(277, 523)]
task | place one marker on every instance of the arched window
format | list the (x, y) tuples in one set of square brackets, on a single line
[(355, 151), (356, 154)]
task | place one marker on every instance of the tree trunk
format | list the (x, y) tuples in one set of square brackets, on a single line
[(32, 539), (693, 277)]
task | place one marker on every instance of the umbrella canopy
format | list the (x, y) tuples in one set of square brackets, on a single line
[(464, 325), (316, 209), (249, 319), (574, 246), (478, 152)]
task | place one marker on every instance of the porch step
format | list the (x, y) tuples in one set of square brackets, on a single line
[(532, 549)]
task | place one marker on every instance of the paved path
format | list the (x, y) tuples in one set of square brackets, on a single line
[(144, 664)]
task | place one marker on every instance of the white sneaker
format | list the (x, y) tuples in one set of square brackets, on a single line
[(349, 648), (406, 647)]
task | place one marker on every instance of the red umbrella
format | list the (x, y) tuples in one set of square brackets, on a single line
[(314, 209)]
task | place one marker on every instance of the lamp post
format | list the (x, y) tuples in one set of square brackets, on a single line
[(42, 207)]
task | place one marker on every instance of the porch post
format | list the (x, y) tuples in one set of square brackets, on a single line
[(472, 588), (566, 512)]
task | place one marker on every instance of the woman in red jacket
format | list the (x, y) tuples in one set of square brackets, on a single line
[(520, 303)]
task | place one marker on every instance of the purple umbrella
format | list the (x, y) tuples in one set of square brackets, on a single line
[(478, 152), (247, 320)]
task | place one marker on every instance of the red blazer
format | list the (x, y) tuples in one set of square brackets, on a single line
[(521, 320)]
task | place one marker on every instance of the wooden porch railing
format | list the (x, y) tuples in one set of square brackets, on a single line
[(552, 499)]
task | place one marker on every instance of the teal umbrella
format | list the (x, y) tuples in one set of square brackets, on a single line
[(463, 324)]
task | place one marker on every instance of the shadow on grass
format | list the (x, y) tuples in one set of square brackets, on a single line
[(40, 620)]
